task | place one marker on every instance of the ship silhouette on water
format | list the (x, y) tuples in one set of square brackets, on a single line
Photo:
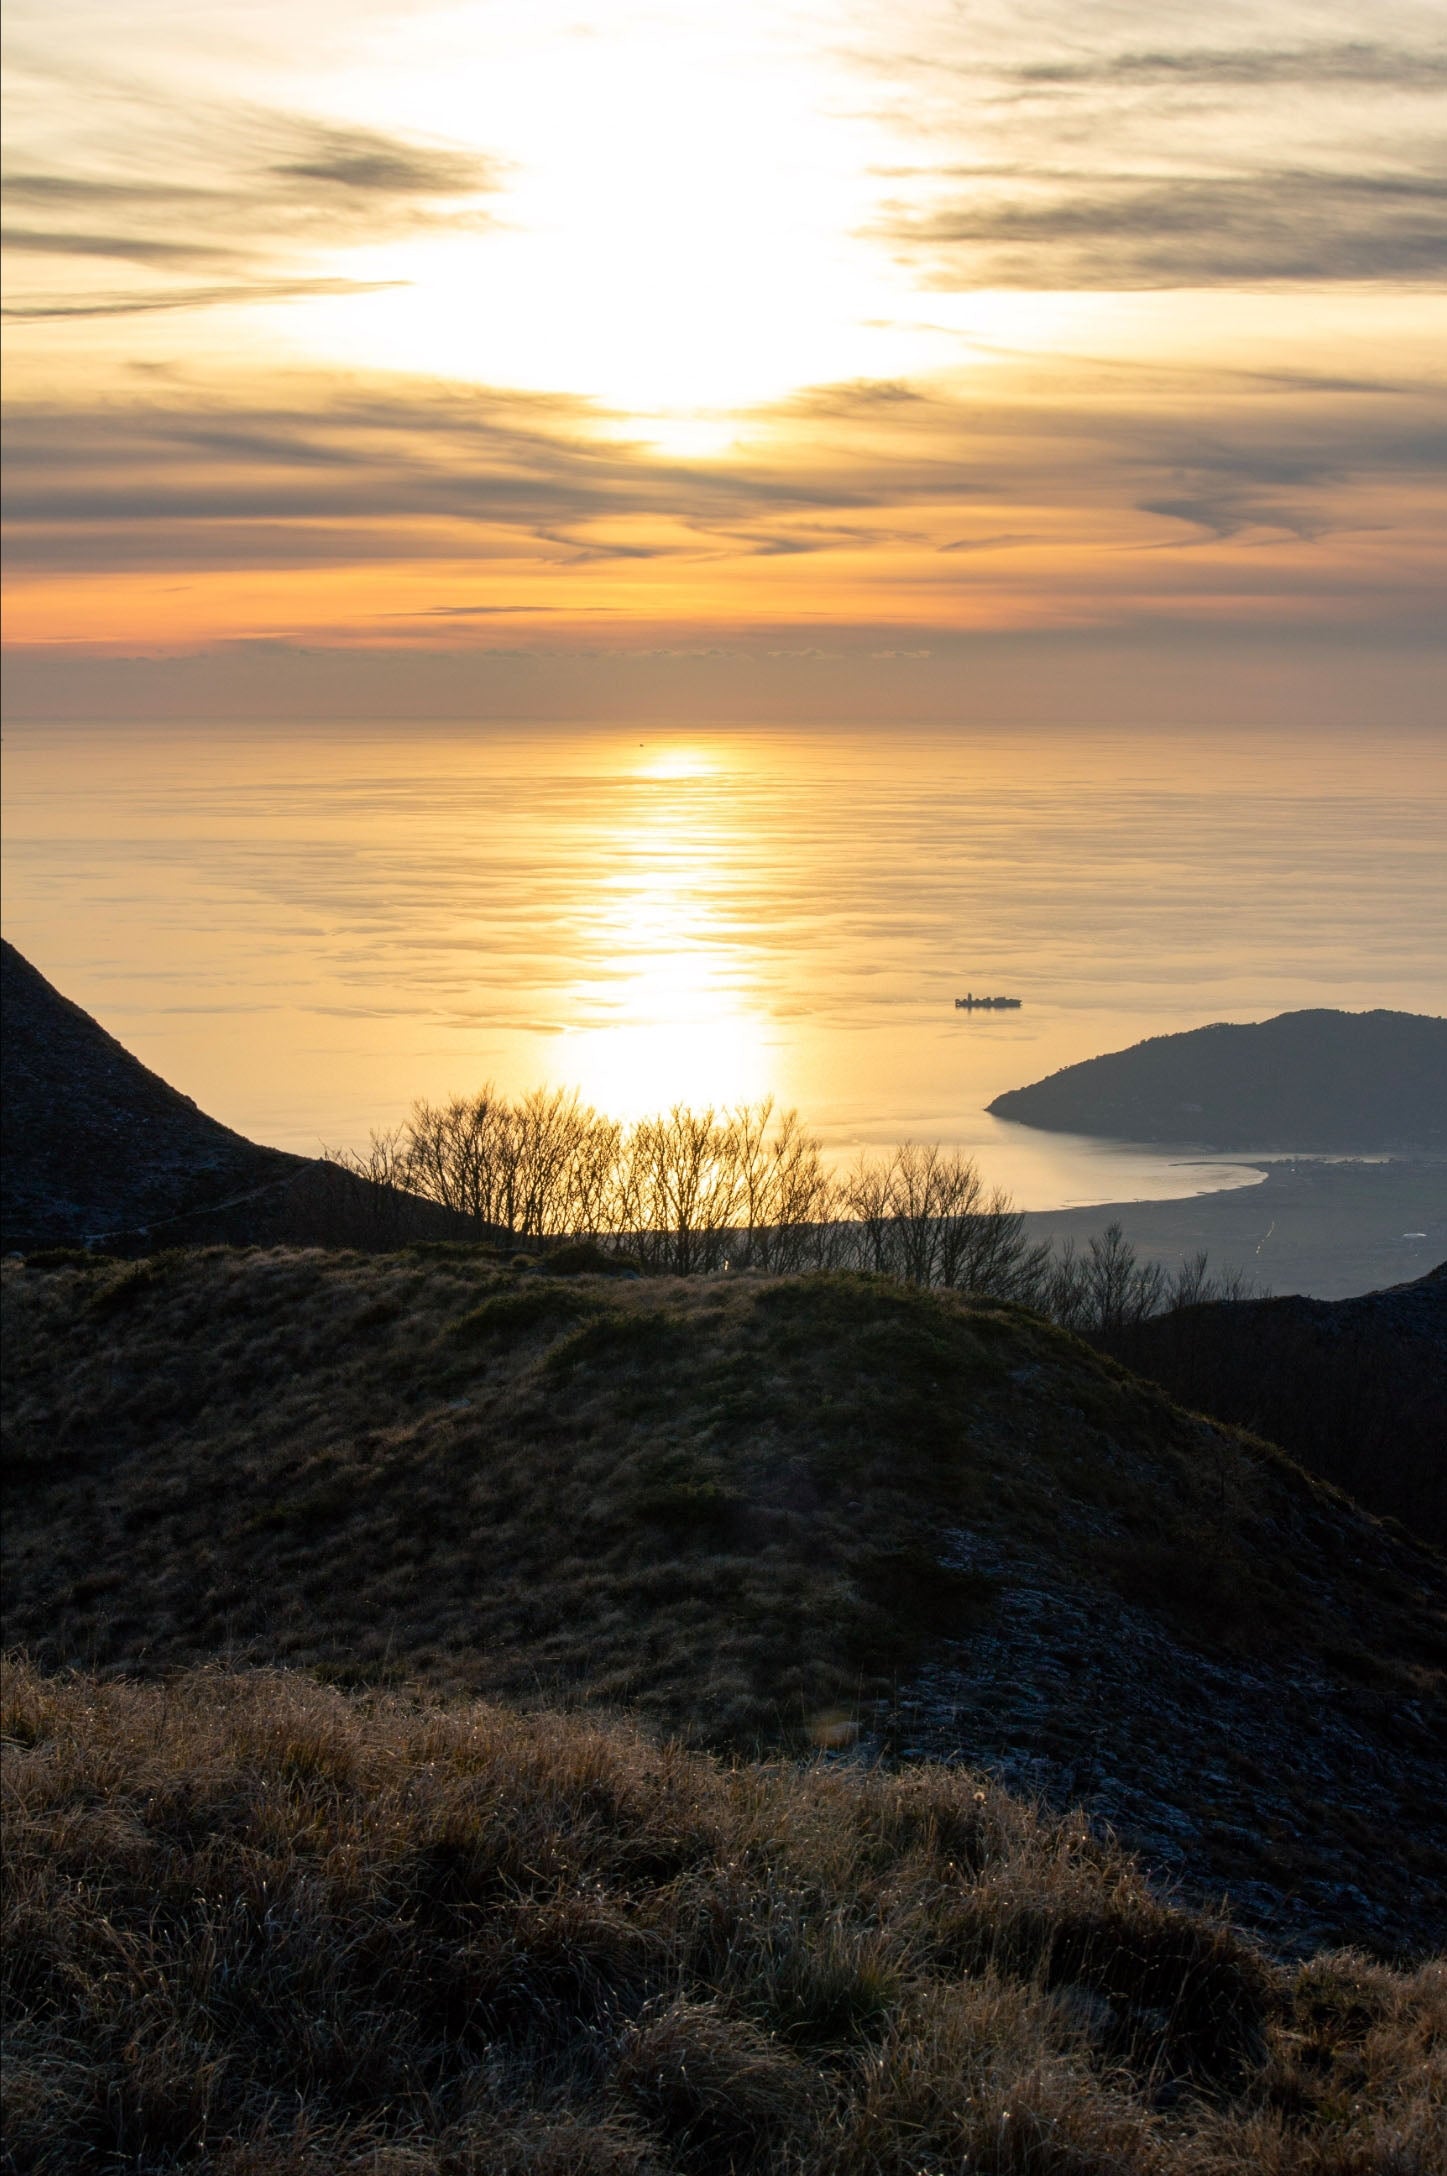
[(970, 1003)]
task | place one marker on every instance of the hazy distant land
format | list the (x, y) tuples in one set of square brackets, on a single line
[(1351, 1107), (1325, 1228)]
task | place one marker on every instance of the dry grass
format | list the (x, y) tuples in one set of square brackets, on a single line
[(264, 1927)]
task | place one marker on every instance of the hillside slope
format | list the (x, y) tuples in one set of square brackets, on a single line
[(751, 1508), (1319, 1083), (1356, 1388), (93, 1141), (97, 1150)]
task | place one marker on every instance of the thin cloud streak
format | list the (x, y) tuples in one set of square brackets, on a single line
[(194, 298), (259, 196), (1121, 162), (1354, 63), (407, 475), (1122, 233)]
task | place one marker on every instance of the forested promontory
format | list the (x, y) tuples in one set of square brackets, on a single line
[(1314, 1083)]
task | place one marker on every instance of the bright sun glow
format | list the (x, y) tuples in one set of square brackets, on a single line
[(743, 357), (678, 226), (668, 763), (699, 1057)]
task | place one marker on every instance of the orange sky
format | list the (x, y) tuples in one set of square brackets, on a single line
[(541, 330)]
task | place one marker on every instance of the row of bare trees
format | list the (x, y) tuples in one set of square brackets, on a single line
[(690, 1192), (1103, 1290), (685, 1192)]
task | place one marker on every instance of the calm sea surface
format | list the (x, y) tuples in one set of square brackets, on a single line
[(306, 928)]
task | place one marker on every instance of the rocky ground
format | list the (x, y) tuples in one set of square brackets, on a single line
[(1257, 1779)]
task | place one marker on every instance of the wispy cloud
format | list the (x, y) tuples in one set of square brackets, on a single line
[(1062, 230), (1011, 455), (133, 248), (425, 468), (175, 298), (510, 610), (343, 475), (1101, 159), (1352, 62), (260, 198)]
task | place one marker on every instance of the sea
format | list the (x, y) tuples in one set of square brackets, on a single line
[(307, 927)]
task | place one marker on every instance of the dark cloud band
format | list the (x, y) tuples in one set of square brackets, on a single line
[(346, 476)]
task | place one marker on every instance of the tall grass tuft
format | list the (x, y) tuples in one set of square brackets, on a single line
[(264, 1928)]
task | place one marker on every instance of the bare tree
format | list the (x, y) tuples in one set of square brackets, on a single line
[(867, 1199), (785, 1195), (681, 1184)]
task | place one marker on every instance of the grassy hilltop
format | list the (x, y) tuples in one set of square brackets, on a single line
[(756, 1511)]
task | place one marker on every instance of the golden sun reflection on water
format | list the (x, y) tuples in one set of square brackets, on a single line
[(675, 1016), (640, 1065)]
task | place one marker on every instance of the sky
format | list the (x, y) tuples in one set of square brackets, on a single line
[(534, 358)]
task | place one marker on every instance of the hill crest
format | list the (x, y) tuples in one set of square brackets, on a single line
[(750, 1508), (97, 1150), (94, 1141)]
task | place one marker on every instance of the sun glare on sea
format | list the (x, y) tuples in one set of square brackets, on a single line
[(709, 1054), (672, 1017), (669, 763)]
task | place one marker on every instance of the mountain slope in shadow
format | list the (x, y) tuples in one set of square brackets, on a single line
[(792, 1510), (1319, 1083), (93, 1141), (1356, 1389), (98, 1151)]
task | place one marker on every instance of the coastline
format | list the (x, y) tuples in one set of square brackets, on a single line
[(1324, 1227)]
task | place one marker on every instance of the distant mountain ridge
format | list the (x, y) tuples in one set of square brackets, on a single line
[(98, 1151), (1318, 1082)]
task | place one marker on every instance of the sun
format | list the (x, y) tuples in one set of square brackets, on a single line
[(679, 223)]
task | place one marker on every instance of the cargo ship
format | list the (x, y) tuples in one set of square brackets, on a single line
[(971, 1003)]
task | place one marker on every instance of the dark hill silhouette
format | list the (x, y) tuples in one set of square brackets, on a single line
[(1314, 1082), (98, 1151), (93, 1141), (1356, 1389)]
